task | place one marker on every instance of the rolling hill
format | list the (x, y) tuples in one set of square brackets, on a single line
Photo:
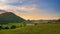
[(9, 17)]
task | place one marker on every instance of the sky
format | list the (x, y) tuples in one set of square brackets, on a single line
[(33, 9)]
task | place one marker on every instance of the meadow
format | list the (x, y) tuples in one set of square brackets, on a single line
[(35, 28)]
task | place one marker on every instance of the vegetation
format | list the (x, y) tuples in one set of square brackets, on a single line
[(10, 17), (7, 27), (38, 28), (1, 27), (17, 25), (13, 27), (58, 21)]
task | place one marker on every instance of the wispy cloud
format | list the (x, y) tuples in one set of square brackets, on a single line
[(10, 1), (20, 8), (27, 8)]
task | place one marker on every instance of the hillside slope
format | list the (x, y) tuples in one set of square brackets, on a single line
[(9, 17)]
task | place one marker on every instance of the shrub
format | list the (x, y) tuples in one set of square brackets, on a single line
[(21, 25), (49, 22), (35, 24), (7, 27), (24, 24), (1, 27), (13, 27)]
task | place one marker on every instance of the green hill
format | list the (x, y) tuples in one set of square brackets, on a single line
[(9, 17)]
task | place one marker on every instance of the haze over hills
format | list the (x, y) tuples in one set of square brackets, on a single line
[(9, 17)]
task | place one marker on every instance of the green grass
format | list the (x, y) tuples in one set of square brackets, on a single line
[(36, 29)]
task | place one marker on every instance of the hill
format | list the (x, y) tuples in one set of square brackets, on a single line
[(9, 17)]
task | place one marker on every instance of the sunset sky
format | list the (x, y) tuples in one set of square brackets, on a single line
[(33, 9)]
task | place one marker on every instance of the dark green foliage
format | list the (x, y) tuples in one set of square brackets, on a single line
[(1, 27), (24, 24), (7, 27), (9, 17), (13, 27), (21, 25), (49, 22), (35, 24)]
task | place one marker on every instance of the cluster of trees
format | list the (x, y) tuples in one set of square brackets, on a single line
[(58, 21), (12, 27)]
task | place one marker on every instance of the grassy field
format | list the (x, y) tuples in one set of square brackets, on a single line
[(33, 29)]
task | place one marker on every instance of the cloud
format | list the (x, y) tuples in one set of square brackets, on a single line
[(17, 2), (8, 8), (27, 8), (5, 5), (23, 8), (11, 1)]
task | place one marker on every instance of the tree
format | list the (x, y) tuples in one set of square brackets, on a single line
[(13, 27), (29, 21), (58, 20)]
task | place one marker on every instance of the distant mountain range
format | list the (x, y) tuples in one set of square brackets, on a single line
[(42, 21), (9, 17)]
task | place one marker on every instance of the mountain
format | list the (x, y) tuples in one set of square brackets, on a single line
[(9, 17)]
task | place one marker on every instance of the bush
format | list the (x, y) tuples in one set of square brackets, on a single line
[(1, 27), (13, 27), (21, 25), (35, 24), (49, 22), (24, 24), (6, 27)]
